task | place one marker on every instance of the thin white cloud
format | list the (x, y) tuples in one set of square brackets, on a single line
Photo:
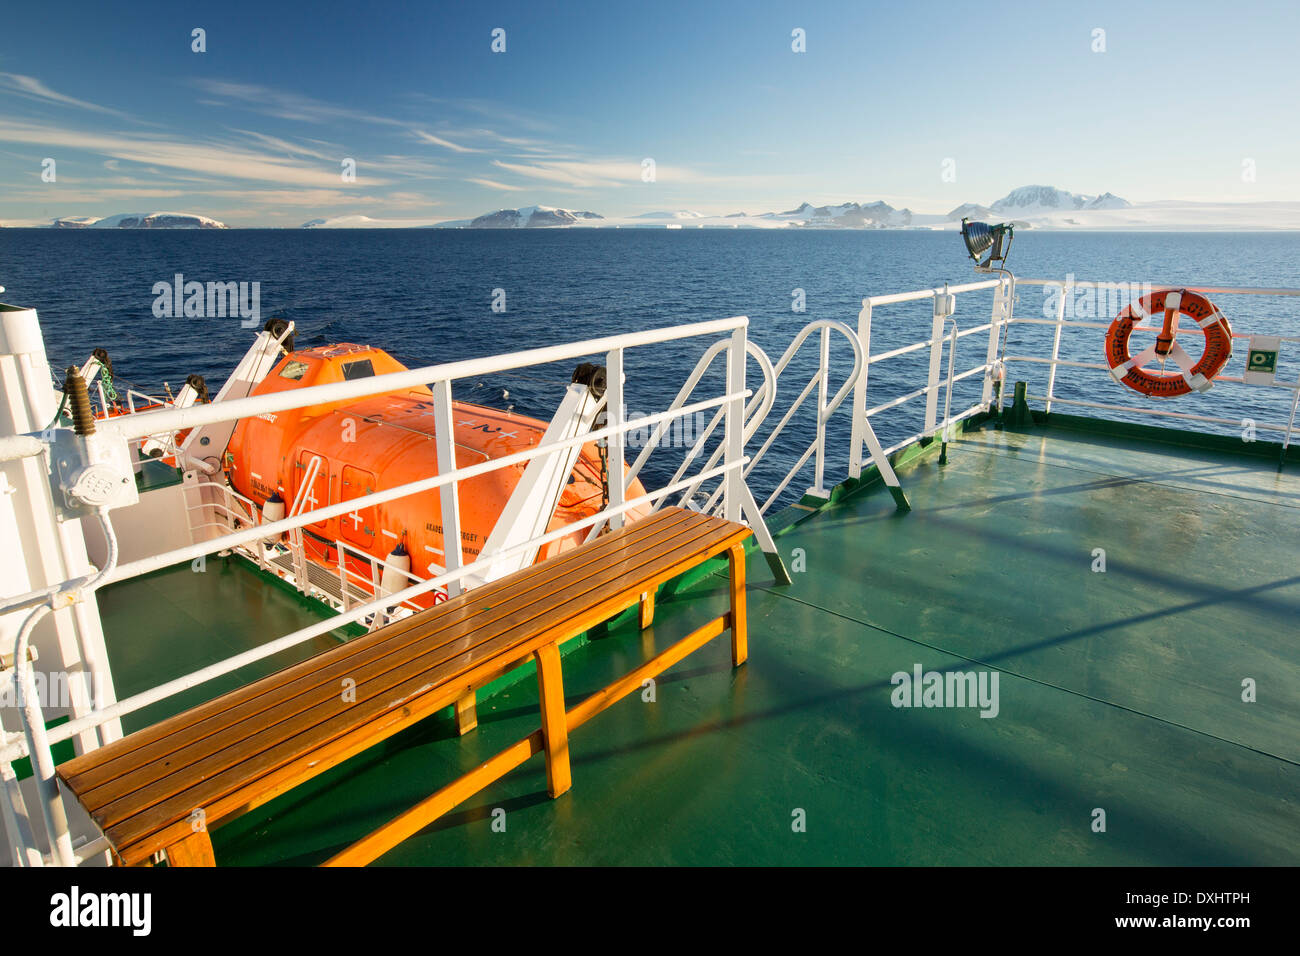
[(444, 143), (29, 87), (576, 172), (213, 159), (493, 184), (288, 148), (593, 173)]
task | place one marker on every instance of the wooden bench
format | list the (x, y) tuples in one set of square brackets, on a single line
[(160, 789)]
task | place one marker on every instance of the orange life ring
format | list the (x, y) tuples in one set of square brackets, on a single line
[(1186, 376)]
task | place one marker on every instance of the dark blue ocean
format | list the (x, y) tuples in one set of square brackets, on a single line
[(426, 296)]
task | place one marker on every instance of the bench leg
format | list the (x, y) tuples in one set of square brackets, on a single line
[(647, 609), (739, 637), (466, 713), (193, 850), (555, 730)]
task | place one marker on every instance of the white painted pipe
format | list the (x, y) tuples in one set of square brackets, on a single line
[(175, 419), (922, 294), (1202, 289), (38, 744)]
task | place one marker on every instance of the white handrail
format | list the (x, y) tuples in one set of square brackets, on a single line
[(176, 419), (1202, 289)]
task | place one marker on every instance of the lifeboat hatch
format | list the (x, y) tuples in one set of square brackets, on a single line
[(358, 526)]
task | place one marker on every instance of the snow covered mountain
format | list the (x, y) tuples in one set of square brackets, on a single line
[(969, 210), (847, 215), (1039, 207), (140, 220), (526, 217), (1107, 201), (1034, 200)]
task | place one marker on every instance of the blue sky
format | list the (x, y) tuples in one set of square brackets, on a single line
[(253, 131)]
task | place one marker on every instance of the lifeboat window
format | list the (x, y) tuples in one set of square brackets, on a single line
[(294, 370), (358, 369)]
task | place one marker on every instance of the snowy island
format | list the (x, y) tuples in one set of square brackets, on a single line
[(139, 220)]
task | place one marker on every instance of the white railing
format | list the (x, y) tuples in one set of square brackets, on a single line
[(1053, 361), (945, 300), (735, 504), (826, 404)]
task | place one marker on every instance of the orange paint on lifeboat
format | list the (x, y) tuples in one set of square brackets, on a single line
[(387, 440)]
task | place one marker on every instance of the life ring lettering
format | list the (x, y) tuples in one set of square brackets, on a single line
[(1166, 306)]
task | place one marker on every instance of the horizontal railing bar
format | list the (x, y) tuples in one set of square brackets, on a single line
[(917, 393), (901, 399), (1236, 379), (901, 350), (967, 374), (921, 294), (1202, 289), (917, 436), (1035, 360), (175, 419), (1078, 324)]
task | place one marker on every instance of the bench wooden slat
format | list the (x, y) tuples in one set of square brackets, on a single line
[(151, 783), (153, 829), (438, 629)]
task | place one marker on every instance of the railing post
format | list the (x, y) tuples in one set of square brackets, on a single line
[(734, 427), (945, 431), (1003, 297), (444, 429), (932, 377), (860, 392), (343, 578), (614, 415), (13, 811), (1067, 292), (1290, 423), (823, 380), (991, 357)]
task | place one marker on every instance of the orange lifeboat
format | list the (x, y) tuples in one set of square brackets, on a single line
[(331, 453)]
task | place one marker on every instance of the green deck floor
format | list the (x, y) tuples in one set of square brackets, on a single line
[(1119, 690), (174, 622)]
